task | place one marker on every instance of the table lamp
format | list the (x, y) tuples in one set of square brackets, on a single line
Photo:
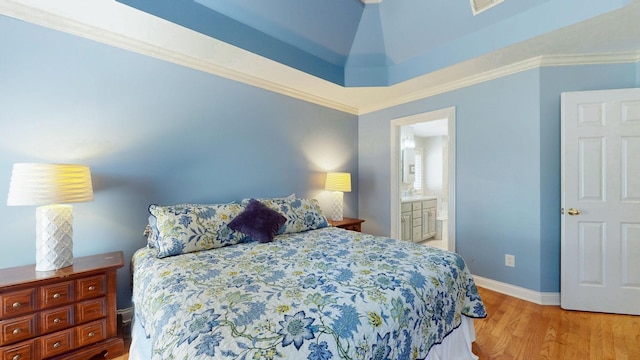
[(338, 183), (51, 185)]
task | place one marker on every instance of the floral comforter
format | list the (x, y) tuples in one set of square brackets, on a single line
[(321, 294)]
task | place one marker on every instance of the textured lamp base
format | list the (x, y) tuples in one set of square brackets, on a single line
[(337, 204), (54, 237)]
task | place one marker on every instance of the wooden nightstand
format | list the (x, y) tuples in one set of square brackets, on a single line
[(68, 313), (348, 223)]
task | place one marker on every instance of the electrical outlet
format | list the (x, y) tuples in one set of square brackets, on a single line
[(509, 260)]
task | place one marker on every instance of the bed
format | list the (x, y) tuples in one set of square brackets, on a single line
[(208, 288)]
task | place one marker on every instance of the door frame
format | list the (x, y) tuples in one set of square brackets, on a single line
[(446, 113)]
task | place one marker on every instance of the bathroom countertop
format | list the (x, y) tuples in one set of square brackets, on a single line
[(417, 198)]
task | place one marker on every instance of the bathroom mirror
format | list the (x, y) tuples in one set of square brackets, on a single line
[(408, 166)]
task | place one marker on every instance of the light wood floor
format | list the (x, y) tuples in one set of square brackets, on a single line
[(123, 357), (518, 329)]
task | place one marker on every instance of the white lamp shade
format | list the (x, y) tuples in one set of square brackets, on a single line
[(338, 181), (45, 184)]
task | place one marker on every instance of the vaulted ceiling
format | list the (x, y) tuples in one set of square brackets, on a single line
[(351, 55), (379, 43)]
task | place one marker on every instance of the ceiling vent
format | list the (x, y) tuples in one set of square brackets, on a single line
[(479, 6)]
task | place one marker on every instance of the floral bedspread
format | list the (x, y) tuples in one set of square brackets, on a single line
[(321, 294)]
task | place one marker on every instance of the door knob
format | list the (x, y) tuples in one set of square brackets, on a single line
[(573, 212)]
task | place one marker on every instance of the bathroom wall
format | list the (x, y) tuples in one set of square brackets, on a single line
[(406, 134), (435, 167)]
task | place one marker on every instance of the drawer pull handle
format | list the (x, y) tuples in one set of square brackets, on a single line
[(56, 296), (92, 334), (91, 288), (56, 345), (16, 305), (57, 320), (16, 357), (16, 331)]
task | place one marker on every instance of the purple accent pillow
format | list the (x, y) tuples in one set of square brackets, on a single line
[(258, 221)]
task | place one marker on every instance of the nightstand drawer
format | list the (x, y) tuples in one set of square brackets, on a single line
[(17, 329), (18, 302), (56, 294), (90, 310), (64, 314), (22, 351), (90, 333), (348, 224), (56, 343), (56, 319), (90, 287), (353, 227)]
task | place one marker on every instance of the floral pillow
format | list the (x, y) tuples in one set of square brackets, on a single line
[(188, 228), (289, 197), (302, 214), (151, 231)]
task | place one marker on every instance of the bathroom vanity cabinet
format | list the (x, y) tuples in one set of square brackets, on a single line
[(418, 219)]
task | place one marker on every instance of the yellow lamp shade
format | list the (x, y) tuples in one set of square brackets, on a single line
[(338, 181)]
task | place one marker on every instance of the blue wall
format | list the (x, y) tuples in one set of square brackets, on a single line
[(152, 132), (155, 132), (508, 168)]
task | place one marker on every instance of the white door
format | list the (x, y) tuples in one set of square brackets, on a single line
[(601, 201)]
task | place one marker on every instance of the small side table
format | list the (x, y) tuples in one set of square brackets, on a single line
[(69, 313), (348, 224)]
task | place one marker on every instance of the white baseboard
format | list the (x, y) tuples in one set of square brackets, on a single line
[(540, 298)]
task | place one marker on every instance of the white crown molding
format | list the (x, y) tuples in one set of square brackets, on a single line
[(453, 85), (119, 25), (514, 68), (540, 298), (591, 59)]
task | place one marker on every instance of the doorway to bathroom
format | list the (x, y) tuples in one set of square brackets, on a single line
[(423, 178)]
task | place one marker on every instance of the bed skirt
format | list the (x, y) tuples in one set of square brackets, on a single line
[(457, 345)]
